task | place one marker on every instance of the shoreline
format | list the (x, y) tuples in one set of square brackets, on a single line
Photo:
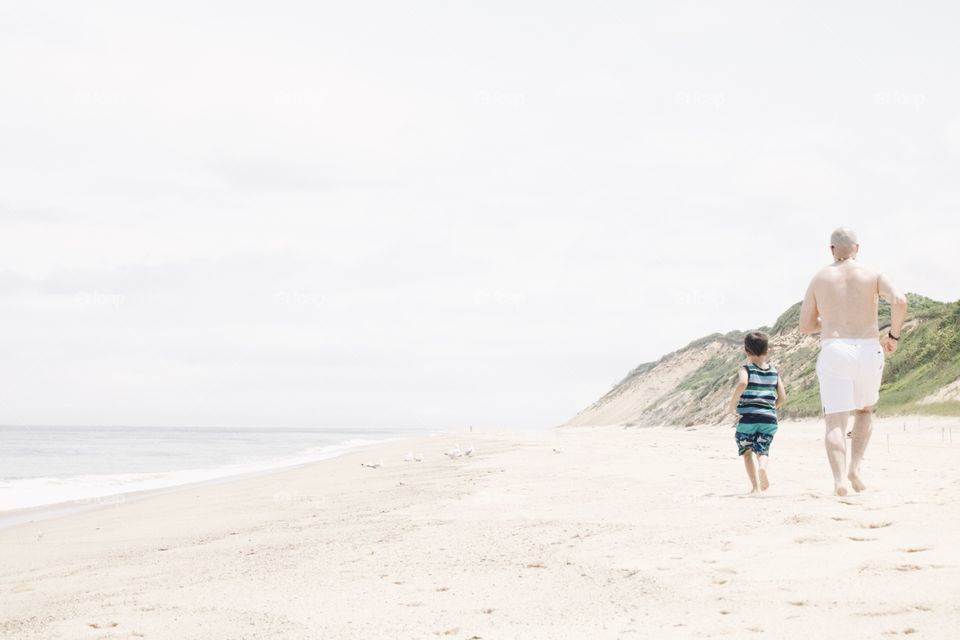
[(43, 512)]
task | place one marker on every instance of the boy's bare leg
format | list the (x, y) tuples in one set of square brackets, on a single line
[(751, 470), (762, 473), (836, 445), (862, 429)]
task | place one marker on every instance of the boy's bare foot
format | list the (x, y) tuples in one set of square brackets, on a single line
[(856, 482), (755, 490), (764, 480), (841, 490)]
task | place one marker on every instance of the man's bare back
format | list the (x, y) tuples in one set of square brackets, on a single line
[(842, 300)]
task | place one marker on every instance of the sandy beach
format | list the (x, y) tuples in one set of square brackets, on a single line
[(577, 533)]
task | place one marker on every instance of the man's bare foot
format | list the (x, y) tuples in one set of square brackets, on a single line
[(755, 490), (764, 480), (856, 482), (841, 490)]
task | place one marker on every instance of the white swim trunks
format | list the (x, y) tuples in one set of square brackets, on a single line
[(849, 370)]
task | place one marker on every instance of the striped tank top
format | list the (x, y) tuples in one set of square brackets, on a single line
[(758, 403)]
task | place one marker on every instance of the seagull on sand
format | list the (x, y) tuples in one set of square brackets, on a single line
[(469, 450), (454, 453), (417, 457), (408, 457)]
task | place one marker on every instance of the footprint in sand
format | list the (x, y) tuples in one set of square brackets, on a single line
[(104, 625), (800, 518), (859, 539), (913, 549), (891, 612), (875, 525)]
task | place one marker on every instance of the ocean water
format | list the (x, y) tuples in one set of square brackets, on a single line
[(52, 465)]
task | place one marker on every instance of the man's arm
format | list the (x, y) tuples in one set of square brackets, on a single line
[(898, 311), (742, 381), (809, 313)]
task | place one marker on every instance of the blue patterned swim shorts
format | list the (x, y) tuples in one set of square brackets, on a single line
[(758, 442)]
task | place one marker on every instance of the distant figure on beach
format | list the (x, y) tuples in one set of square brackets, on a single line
[(757, 396), (841, 305)]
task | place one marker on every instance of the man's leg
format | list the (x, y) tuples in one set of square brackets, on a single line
[(836, 445), (751, 469), (862, 429), (762, 473)]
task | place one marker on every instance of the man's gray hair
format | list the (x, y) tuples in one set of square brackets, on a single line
[(844, 241)]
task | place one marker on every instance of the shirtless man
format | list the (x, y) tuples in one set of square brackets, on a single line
[(841, 305)]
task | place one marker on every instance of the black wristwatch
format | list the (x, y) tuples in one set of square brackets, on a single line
[(895, 338)]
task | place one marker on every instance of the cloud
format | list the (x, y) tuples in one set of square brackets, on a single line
[(38, 215)]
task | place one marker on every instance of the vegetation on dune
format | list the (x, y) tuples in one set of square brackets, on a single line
[(787, 321), (949, 408), (927, 359), (921, 308), (716, 367)]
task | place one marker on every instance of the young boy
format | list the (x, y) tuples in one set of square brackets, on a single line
[(756, 398)]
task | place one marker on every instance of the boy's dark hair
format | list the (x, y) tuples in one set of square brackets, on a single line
[(756, 343)]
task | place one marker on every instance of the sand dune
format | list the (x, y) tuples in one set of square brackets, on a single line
[(584, 533)]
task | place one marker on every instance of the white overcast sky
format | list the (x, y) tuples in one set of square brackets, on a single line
[(440, 214)]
